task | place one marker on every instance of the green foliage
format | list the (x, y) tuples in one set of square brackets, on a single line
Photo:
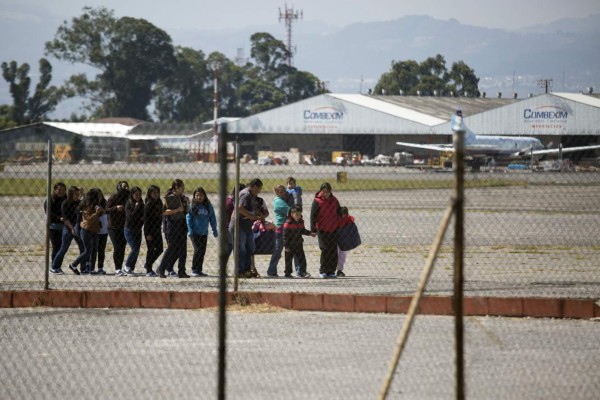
[(427, 78), (25, 109), (131, 54)]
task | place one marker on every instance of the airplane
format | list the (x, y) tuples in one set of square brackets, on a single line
[(496, 147)]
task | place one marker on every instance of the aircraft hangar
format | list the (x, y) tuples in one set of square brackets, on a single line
[(373, 124)]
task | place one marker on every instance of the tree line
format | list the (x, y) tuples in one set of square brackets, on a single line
[(142, 74)]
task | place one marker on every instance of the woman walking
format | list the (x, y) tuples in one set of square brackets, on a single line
[(324, 216), (90, 228), (134, 220), (201, 214), (153, 209), (59, 194), (175, 206), (69, 209), (116, 224)]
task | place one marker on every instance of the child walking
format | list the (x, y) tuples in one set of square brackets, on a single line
[(200, 215), (293, 229), (345, 219), (281, 209)]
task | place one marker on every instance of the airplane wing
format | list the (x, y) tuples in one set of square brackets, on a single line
[(434, 147), (565, 150)]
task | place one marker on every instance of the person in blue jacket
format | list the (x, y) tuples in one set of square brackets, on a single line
[(199, 216)]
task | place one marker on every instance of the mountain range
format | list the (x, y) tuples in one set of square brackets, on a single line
[(351, 59)]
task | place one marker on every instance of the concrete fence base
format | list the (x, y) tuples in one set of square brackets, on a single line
[(432, 305)]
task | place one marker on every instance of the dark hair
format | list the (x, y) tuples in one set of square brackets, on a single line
[(343, 211), (294, 209), (326, 185), (241, 187), (152, 189), (59, 184), (205, 202), (119, 188), (71, 191), (134, 190), (291, 178), (177, 183), (93, 198), (255, 182)]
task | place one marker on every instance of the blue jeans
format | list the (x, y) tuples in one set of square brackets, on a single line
[(134, 239), (90, 246), (246, 249), (276, 256), (67, 238)]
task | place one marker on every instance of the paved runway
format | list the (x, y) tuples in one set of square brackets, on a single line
[(158, 354)]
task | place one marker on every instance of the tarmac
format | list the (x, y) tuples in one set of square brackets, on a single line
[(51, 353)]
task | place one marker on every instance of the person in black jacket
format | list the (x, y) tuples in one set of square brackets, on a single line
[(134, 220), (59, 194), (175, 208), (116, 224), (153, 210), (293, 229), (68, 209)]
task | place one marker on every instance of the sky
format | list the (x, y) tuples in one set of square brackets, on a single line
[(231, 14)]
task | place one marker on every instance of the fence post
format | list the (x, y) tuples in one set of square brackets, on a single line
[(236, 216), (223, 262), (459, 196), (48, 215)]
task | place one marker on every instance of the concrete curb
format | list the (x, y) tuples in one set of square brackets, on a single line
[(430, 305)]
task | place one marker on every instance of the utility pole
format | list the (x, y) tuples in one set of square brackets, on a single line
[(545, 83), (289, 16)]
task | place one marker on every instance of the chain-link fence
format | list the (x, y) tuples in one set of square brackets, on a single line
[(527, 234)]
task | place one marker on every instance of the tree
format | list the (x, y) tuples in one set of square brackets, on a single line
[(428, 78), (26, 109), (184, 96), (131, 54), (464, 80)]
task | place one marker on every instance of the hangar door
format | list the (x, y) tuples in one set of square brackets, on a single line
[(363, 143)]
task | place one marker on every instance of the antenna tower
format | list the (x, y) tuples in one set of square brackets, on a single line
[(289, 16)]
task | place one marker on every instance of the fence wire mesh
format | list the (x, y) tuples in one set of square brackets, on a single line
[(532, 234)]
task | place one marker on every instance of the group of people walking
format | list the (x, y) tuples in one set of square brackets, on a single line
[(128, 219), (89, 219)]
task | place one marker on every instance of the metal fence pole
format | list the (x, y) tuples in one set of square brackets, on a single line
[(236, 215), (223, 255), (48, 215), (459, 196)]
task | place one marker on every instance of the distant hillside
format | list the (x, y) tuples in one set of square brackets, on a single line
[(353, 58)]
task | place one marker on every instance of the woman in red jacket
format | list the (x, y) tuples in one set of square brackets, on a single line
[(324, 215)]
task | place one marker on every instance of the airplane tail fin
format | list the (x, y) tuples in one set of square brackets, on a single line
[(457, 125)]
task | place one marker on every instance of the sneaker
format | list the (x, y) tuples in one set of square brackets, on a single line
[(289, 275), (101, 271), (304, 275), (85, 272), (152, 274), (119, 272), (161, 274), (172, 274), (340, 274), (323, 275), (74, 269), (272, 276), (183, 275), (56, 271), (129, 272), (332, 275), (198, 274), (93, 272)]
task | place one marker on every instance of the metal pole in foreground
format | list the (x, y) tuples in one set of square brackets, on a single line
[(48, 212), (236, 215), (459, 197), (223, 255)]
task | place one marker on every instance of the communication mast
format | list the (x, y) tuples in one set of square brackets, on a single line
[(290, 15)]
